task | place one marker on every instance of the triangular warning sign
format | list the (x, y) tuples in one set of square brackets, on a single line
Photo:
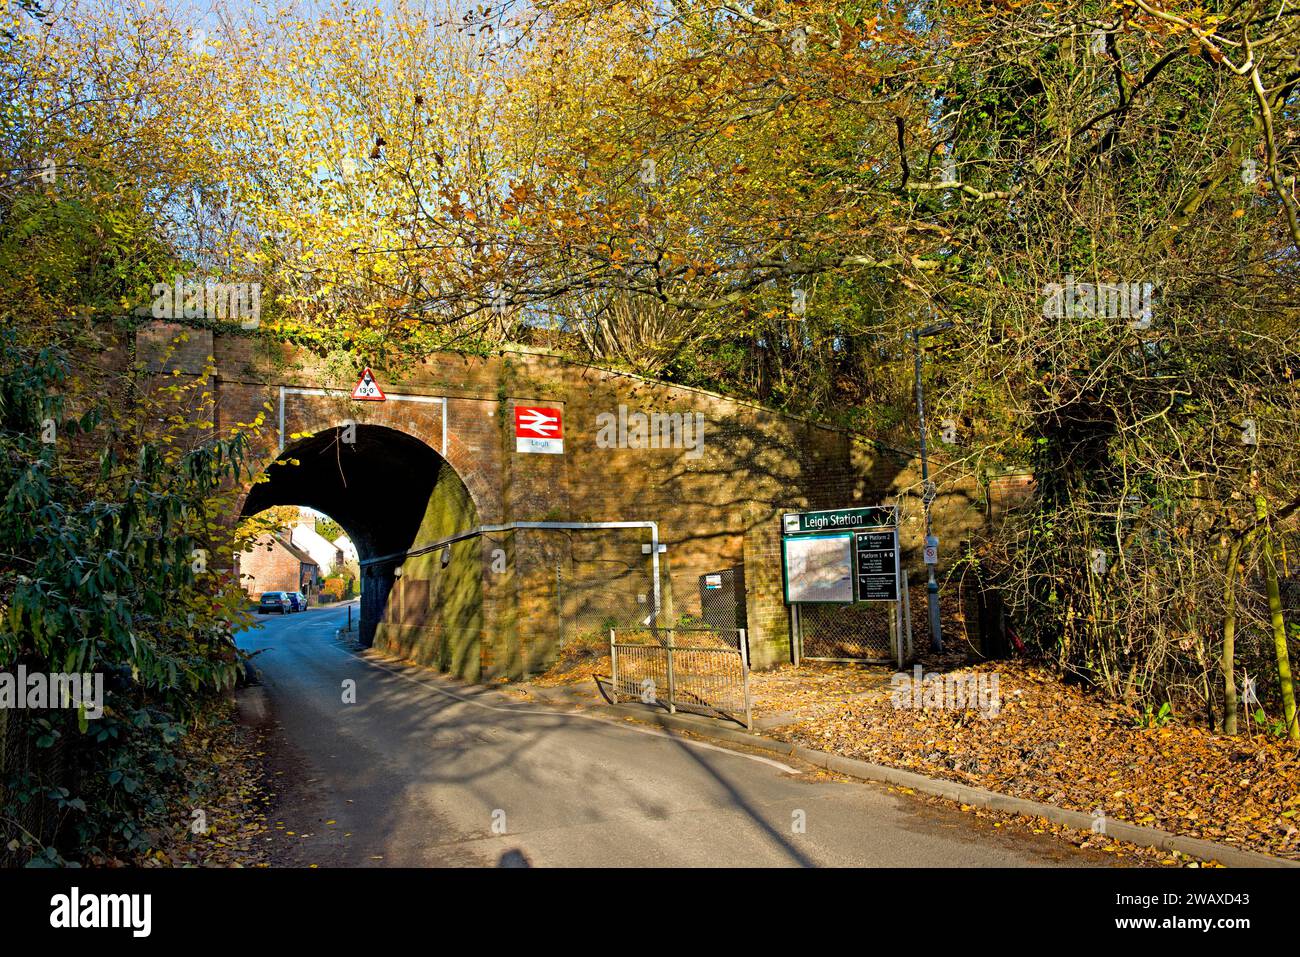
[(367, 389)]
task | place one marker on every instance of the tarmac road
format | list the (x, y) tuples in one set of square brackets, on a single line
[(422, 771)]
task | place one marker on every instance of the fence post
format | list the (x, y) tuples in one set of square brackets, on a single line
[(907, 613), (672, 707), (744, 664), (895, 637), (559, 608), (898, 632), (613, 667), (796, 635)]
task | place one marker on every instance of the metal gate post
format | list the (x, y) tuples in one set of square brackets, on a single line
[(895, 637), (559, 608), (672, 707), (907, 613), (796, 635), (898, 631), (744, 664), (613, 667)]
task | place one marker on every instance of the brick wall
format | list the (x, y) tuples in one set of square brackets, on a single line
[(717, 507), (269, 566), (434, 614)]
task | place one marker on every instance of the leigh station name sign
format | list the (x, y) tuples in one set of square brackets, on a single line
[(840, 519)]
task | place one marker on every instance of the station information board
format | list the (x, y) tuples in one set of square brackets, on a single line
[(875, 565), (841, 556), (818, 569)]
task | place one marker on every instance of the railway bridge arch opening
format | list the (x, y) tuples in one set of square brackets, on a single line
[(391, 492)]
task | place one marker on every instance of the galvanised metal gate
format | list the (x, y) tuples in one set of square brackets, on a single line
[(695, 669)]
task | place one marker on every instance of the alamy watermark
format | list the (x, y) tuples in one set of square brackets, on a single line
[(208, 299), (129, 911), (1108, 300), (654, 430), (39, 690), (951, 691)]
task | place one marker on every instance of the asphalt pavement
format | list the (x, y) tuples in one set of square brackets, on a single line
[(383, 764)]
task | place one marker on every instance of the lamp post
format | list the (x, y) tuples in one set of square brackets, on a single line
[(927, 492)]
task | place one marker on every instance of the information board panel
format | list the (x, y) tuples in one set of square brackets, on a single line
[(818, 568), (875, 564)]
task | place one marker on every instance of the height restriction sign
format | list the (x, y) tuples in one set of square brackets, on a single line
[(539, 430), (367, 389)]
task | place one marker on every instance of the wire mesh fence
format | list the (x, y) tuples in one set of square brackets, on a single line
[(1289, 591), (590, 604), (682, 637), (606, 578), (700, 670), (594, 579), (859, 632)]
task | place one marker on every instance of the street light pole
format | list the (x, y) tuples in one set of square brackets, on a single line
[(927, 490)]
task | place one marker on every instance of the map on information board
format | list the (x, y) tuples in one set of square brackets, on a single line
[(819, 568)]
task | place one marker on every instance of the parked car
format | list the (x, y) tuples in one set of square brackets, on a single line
[(299, 600), (275, 601)]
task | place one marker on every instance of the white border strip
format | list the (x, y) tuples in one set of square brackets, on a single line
[(393, 396)]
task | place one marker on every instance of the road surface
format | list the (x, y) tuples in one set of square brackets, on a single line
[(421, 771)]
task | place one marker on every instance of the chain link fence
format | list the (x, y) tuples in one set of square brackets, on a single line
[(681, 638), (859, 632), (575, 584), (604, 580), (875, 632), (1289, 591)]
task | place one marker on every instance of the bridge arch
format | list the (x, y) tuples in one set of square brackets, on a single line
[(391, 491)]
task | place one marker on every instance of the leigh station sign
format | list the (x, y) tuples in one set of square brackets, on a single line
[(839, 519), (841, 556)]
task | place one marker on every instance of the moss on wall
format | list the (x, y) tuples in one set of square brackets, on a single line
[(434, 614)]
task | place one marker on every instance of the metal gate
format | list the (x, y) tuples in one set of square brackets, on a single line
[(867, 632), (695, 669)]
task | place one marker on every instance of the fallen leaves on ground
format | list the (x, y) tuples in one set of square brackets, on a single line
[(577, 662), (1053, 743), (227, 785)]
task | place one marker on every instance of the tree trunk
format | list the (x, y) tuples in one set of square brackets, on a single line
[(1230, 639), (1279, 628)]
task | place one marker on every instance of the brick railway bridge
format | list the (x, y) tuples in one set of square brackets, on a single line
[(464, 567)]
